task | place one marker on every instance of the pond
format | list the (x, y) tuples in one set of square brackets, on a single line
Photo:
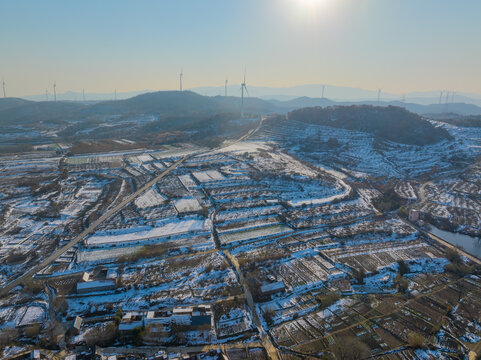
[(468, 243)]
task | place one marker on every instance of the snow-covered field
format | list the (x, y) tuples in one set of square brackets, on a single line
[(206, 176), (187, 205), (164, 229), (149, 199)]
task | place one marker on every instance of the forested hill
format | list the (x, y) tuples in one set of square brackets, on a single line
[(390, 123)]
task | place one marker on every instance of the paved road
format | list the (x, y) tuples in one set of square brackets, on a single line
[(57, 253)]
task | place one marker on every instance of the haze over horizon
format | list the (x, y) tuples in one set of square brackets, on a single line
[(133, 46)]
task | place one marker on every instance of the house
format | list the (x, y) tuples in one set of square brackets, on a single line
[(76, 325), (201, 322), (112, 274), (414, 215), (130, 321), (85, 277), (273, 288), (95, 286)]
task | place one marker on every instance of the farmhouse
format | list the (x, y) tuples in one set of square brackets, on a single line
[(273, 288), (95, 286), (414, 215), (76, 325), (130, 321)]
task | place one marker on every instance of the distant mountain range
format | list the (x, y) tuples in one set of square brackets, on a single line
[(336, 93), (175, 103), (342, 93)]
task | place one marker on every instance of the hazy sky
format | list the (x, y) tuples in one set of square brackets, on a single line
[(99, 45)]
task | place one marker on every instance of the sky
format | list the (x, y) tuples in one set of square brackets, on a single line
[(397, 45)]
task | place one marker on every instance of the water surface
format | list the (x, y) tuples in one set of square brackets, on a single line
[(468, 243)]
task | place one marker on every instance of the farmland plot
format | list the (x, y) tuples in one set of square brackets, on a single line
[(252, 234), (186, 205), (406, 191), (150, 198), (147, 233), (208, 176)]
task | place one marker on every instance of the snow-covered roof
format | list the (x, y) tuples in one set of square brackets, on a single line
[(95, 284), (277, 286)]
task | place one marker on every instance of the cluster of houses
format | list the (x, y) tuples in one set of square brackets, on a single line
[(164, 325)]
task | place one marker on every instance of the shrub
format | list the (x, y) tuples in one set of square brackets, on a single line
[(60, 305), (15, 257), (349, 348), (33, 287), (8, 337), (453, 256), (269, 314), (403, 285), (403, 268), (32, 331), (328, 299), (359, 275), (102, 335), (416, 340)]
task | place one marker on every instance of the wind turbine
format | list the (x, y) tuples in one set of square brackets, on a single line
[(55, 91), (4, 90), (243, 86), (181, 75), (83, 94), (378, 95), (323, 88), (225, 87), (46, 94)]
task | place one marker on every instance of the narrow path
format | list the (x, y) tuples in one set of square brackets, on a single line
[(266, 340)]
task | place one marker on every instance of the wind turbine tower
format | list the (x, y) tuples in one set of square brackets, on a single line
[(181, 75), (83, 94), (54, 91), (323, 89), (378, 95), (225, 87), (46, 94), (441, 97), (243, 87), (4, 89)]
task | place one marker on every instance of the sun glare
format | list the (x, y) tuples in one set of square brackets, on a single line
[(315, 3)]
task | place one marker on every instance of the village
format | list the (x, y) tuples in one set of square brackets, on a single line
[(252, 250)]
